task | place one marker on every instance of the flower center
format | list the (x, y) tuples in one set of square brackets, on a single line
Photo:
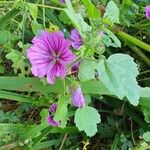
[(55, 56)]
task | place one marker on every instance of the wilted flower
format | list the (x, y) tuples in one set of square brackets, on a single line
[(75, 68), (49, 55), (62, 1), (101, 33), (53, 108), (75, 39), (50, 119), (147, 10), (78, 98)]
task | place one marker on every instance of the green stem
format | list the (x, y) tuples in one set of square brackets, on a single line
[(144, 72), (6, 2), (133, 40), (43, 15), (47, 6), (141, 54)]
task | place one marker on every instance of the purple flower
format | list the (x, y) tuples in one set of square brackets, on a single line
[(49, 55), (78, 98), (50, 119), (62, 1), (75, 39), (147, 10)]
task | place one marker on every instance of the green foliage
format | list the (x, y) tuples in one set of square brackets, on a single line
[(91, 10), (8, 37), (104, 81), (119, 73), (146, 136), (33, 9), (2, 69), (9, 116), (62, 111), (64, 18), (87, 70), (77, 19), (112, 12), (125, 143), (36, 27), (86, 119), (44, 115), (117, 42), (18, 61)]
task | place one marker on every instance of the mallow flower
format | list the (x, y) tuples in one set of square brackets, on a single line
[(50, 119), (75, 39), (49, 55), (147, 11), (78, 99)]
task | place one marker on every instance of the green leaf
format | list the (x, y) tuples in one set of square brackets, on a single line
[(33, 9), (36, 27), (115, 143), (46, 144), (145, 102), (112, 12), (64, 18), (14, 55), (5, 20), (113, 37), (145, 96), (2, 69), (6, 37), (14, 96), (146, 136), (18, 61), (62, 111), (146, 112), (44, 114), (86, 119), (87, 70), (91, 9), (77, 19), (119, 73)]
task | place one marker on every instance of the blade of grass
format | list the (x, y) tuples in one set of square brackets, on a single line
[(14, 96), (6, 19), (47, 144)]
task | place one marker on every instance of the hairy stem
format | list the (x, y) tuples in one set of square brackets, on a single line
[(141, 54), (133, 40)]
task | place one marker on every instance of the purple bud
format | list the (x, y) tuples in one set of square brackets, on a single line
[(52, 122), (147, 10), (53, 108), (75, 39), (78, 98)]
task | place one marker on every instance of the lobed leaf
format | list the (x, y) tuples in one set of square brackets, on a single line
[(86, 119)]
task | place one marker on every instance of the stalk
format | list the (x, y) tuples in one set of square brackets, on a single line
[(141, 54), (133, 40)]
